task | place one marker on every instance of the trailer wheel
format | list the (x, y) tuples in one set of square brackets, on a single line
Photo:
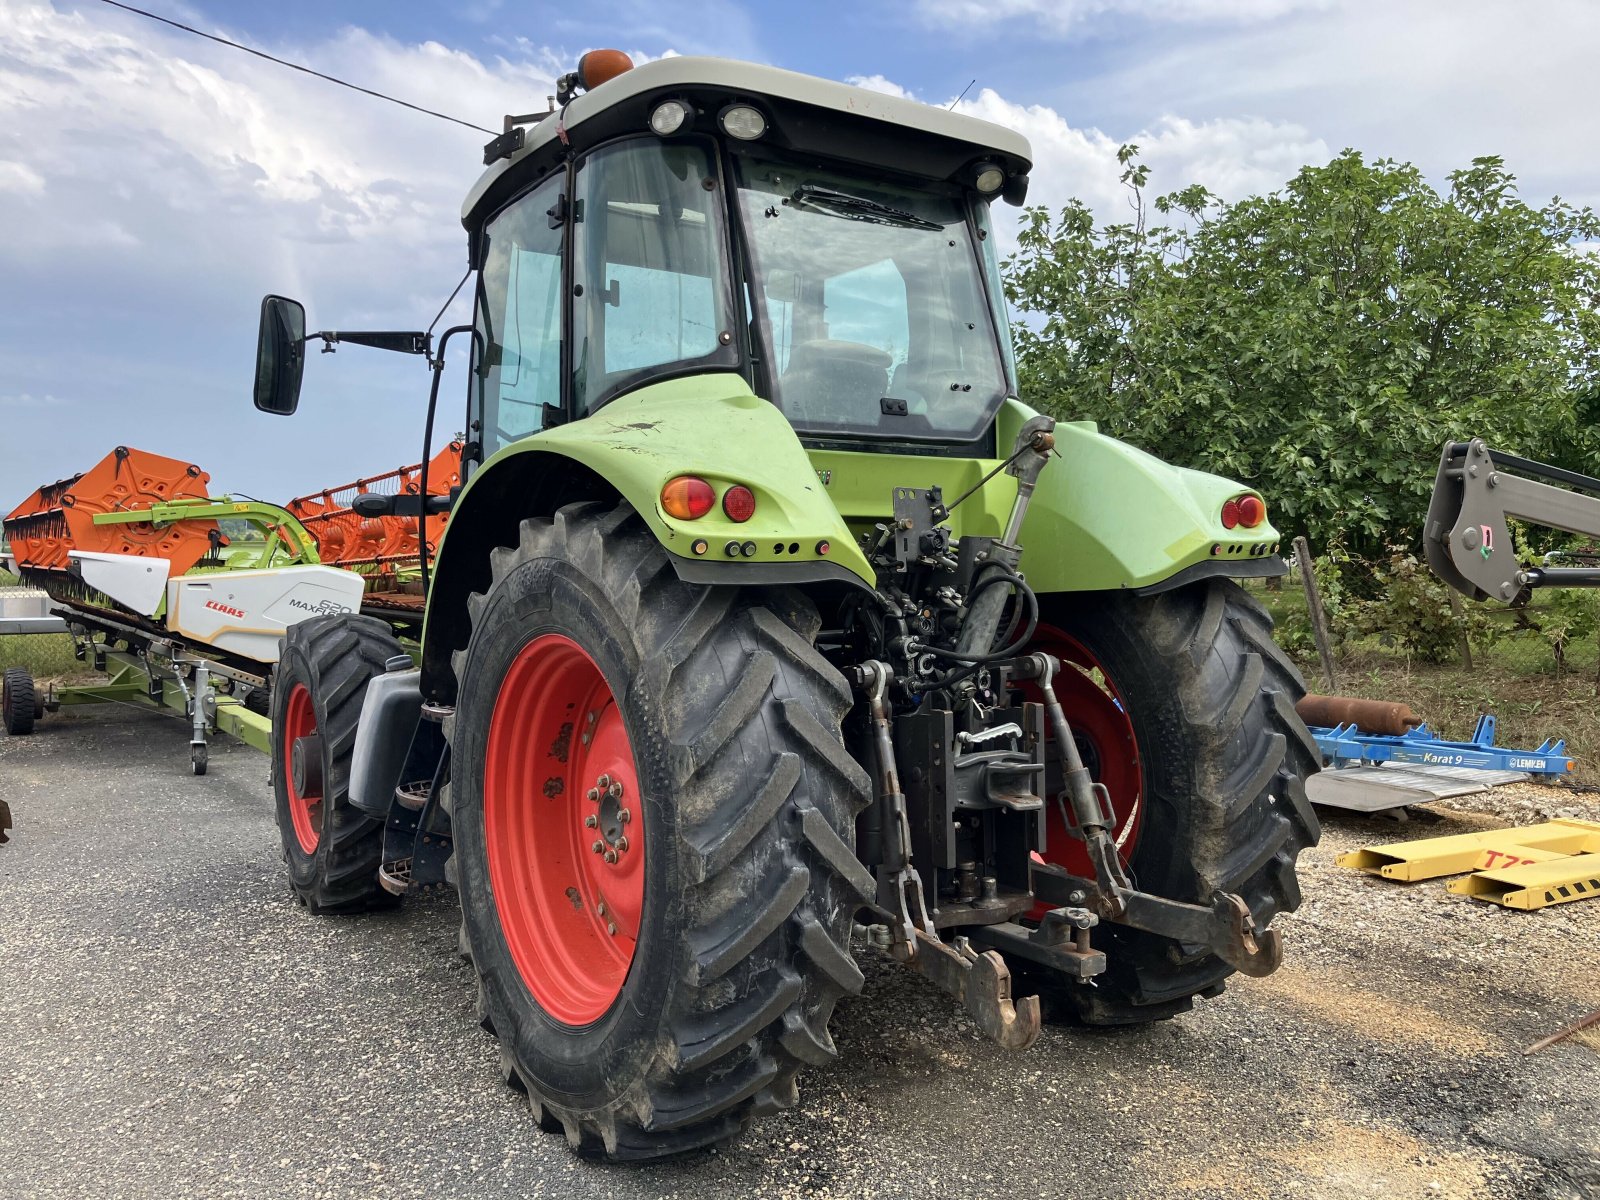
[(333, 849), (1196, 736), (19, 702), (654, 818)]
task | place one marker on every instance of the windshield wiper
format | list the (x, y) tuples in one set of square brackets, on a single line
[(858, 208)]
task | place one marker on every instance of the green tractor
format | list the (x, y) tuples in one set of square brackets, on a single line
[(771, 627)]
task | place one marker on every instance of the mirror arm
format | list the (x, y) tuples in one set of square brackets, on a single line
[(400, 342)]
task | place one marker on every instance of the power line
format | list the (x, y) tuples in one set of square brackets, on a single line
[(295, 66)]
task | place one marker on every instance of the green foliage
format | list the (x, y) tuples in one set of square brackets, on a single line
[(1337, 577), (1323, 341), (1563, 617), (1413, 611)]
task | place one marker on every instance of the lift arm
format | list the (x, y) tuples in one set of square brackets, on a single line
[(1466, 537)]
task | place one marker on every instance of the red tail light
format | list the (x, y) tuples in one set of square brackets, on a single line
[(688, 498), (739, 503), (1248, 511)]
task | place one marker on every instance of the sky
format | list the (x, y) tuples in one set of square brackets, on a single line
[(153, 185)]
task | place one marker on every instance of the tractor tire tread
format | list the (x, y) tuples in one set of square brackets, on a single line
[(344, 653), (1235, 690), (767, 954), (20, 705)]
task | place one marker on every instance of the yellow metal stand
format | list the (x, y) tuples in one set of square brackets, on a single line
[(1527, 868)]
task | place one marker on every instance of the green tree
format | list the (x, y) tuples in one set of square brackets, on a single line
[(1323, 341)]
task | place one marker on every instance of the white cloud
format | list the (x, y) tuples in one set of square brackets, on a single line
[(20, 178), (1432, 83), (153, 186), (1234, 157), (1063, 17), (877, 83)]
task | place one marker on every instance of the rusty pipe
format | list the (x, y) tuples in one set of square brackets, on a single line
[(1370, 716)]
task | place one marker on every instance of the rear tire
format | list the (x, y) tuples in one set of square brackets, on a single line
[(19, 702), (745, 817), (1223, 760), (332, 848)]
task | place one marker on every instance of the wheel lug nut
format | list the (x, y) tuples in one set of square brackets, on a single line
[(604, 782), (594, 795), (600, 909), (625, 815), (591, 820), (622, 845), (598, 847), (611, 928), (611, 856), (615, 791)]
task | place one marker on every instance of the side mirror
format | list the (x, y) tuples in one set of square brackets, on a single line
[(280, 355)]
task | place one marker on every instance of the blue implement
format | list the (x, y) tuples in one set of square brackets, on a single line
[(1343, 745)]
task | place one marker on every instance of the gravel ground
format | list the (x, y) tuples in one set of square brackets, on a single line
[(175, 1025)]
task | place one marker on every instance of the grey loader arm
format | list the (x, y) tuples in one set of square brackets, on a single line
[(1466, 538)]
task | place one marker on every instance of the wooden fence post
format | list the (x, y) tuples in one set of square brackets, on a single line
[(1319, 619), (1461, 629)]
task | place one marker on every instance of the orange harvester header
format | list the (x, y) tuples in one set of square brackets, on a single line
[(345, 538), (59, 517)]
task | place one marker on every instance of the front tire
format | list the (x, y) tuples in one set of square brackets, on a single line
[(19, 704), (731, 902), (1215, 793), (332, 848)]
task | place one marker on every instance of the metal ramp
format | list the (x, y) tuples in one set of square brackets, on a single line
[(1382, 789)]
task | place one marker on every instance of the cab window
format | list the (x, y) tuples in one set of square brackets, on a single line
[(519, 318), (650, 290)]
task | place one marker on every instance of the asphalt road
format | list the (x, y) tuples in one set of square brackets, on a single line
[(175, 1025)]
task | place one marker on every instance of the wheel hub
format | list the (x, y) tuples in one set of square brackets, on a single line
[(610, 820), (305, 756)]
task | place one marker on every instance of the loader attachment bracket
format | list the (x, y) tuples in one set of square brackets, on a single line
[(1226, 928)]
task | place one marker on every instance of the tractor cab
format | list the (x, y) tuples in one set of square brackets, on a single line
[(831, 246)]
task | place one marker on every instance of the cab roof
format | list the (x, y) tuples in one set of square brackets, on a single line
[(860, 125)]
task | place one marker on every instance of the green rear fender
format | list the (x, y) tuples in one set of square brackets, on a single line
[(1107, 516), (711, 426)]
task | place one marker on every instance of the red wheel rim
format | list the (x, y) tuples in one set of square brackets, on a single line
[(305, 810), (559, 781), (1104, 733)]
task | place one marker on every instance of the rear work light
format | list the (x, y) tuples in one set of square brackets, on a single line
[(1248, 511), (670, 117), (743, 122), (687, 497), (739, 503)]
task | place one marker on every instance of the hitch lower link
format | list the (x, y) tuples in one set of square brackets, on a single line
[(1226, 928)]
